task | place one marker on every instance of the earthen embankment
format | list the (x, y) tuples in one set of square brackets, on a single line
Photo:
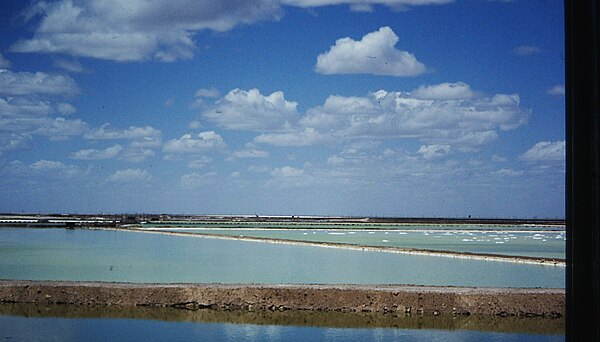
[(415, 300)]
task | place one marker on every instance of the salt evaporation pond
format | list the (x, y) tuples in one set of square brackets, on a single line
[(123, 256), (504, 241)]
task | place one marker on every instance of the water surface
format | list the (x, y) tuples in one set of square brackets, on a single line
[(354, 320), (97, 255), (512, 241), (18, 328)]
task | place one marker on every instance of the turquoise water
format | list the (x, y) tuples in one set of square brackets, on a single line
[(503, 241), (17, 328), (94, 255)]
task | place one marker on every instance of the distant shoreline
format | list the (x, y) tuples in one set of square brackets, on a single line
[(340, 228), (105, 220)]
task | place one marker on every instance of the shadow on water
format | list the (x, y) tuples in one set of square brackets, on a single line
[(525, 325)]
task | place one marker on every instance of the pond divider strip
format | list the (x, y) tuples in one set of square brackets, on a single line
[(395, 299), (390, 249)]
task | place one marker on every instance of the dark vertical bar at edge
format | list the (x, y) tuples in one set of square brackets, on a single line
[(582, 165)]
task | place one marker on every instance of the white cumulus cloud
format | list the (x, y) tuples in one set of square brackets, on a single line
[(27, 102), (146, 136), (208, 92), (61, 128), (28, 83), (202, 142), (196, 180), (250, 153), (361, 8), (135, 30), (444, 114), (307, 137), (163, 30), (374, 54), (444, 91), (43, 164), (250, 110), (507, 173), (200, 162), (130, 175), (94, 154), (105, 132), (56, 169), (365, 5), (557, 90), (445, 117), (10, 142), (546, 151), (287, 172), (136, 155), (434, 151), (23, 107), (4, 63), (65, 108), (69, 65)]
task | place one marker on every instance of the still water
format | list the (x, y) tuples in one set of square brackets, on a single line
[(514, 241), (95, 255), (20, 322)]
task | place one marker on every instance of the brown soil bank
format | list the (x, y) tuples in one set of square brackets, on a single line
[(413, 300)]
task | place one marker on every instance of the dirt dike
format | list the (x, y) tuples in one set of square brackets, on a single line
[(414, 300)]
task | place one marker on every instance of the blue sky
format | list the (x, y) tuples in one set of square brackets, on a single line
[(287, 107)]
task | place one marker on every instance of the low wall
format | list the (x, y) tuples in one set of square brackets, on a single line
[(413, 300)]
